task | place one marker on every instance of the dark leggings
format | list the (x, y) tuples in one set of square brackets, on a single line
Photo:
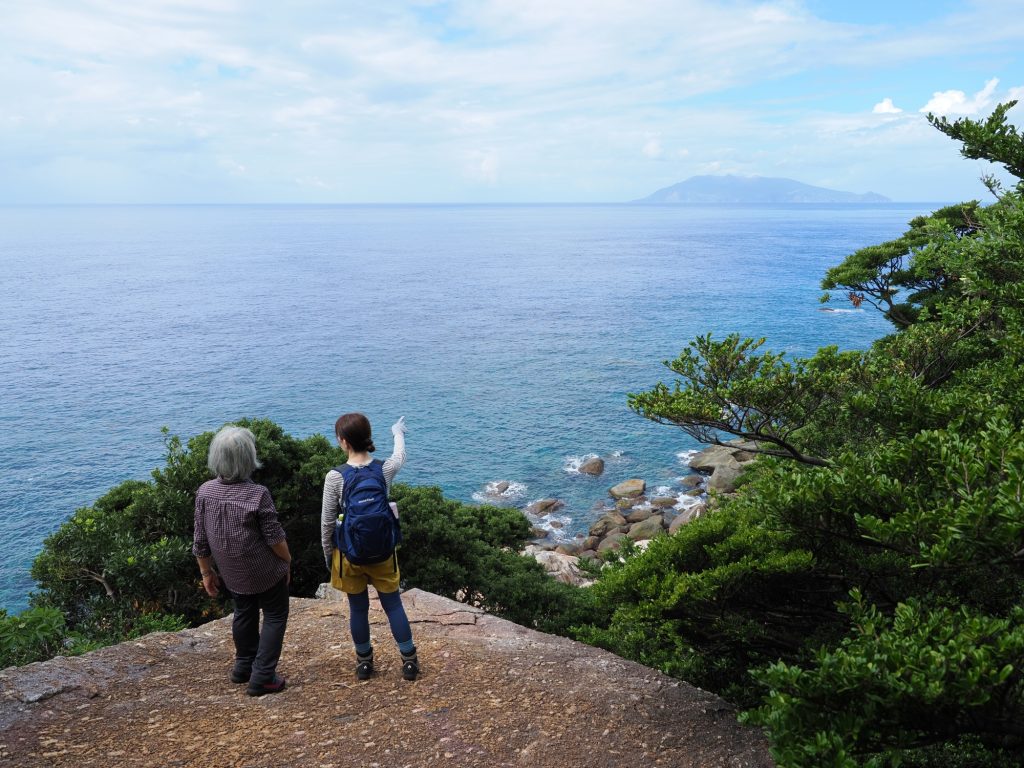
[(359, 620)]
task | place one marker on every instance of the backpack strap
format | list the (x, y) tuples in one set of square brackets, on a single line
[(347, 470)]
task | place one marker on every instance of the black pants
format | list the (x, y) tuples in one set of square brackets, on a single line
[(254, 649)]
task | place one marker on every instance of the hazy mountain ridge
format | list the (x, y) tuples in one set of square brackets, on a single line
[(754, 189)]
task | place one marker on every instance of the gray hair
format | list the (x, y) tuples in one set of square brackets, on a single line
[(233, 454)]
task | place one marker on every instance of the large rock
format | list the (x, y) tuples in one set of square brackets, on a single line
[(563, 568), (692, 481), (648, 529), (686, 516), (638, 515), (593, 466), (544, 507), (611, 541), (723, 479), (607, 523), (664, 502), (628, 489), (713, 456), (500, 487), (491, 693)]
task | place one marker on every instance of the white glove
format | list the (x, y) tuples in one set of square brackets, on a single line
[(398, 428)]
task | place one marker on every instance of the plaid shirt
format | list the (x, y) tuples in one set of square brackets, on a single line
[(236, 524)]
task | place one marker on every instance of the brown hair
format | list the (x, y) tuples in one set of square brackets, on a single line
[(355, 428)]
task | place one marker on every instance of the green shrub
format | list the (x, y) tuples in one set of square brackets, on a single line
[(862, 593)]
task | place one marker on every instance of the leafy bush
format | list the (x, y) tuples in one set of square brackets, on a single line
[(32, 635), (862, 593)]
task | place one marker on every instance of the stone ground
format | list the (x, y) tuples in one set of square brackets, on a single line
[(492, 693)]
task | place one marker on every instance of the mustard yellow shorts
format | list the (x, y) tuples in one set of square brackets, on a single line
[(353, 579)]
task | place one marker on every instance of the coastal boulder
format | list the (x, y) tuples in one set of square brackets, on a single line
[(686, 516), (594, 466), (607, 523), (500, 487), (611, 541), (563, 568), (723, 479), (663, 502), (544, 507), (647, 529), (638, 515), (712, 457), (628, 489)]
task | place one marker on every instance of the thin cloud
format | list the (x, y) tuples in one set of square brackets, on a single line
[(504, 97), (652, 149)]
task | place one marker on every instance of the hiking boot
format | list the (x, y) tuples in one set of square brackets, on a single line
[(364, 666), (410, 665), (261, 689), (241, 674)]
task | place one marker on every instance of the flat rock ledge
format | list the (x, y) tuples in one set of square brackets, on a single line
[(492, 693)]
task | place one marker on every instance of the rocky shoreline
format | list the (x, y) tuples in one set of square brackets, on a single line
[(629, 513)]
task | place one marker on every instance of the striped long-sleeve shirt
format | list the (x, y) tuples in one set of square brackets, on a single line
[(334, 484)]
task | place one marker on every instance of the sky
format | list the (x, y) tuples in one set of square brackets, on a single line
[(484, 101)]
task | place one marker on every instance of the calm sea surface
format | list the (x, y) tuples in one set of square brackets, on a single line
[(508, 336)]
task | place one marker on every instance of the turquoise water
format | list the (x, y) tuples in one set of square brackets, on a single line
[(508, 336)]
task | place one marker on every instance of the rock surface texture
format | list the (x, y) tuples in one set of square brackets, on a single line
[(492, 693)]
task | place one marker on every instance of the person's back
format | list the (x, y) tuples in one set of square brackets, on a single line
[(353, 433), (236, 529)]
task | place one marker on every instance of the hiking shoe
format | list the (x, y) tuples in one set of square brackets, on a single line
[(240, 675), (261, 689), (364, 666), (410, 665)]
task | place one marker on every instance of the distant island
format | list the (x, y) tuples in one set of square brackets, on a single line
[(754, 189)]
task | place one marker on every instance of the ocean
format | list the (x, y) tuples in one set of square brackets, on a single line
[(507, 335)]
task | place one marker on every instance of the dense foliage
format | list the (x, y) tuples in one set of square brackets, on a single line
[(123, 566), (862, 596)]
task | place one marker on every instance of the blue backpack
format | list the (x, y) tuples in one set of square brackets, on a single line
[(368, 531)]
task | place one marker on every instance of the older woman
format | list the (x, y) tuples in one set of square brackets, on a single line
[(237, 530)]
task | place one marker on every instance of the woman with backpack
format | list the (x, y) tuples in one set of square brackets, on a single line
[(236, 529), (359, 548)]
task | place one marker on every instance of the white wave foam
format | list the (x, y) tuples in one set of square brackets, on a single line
[(490, 493), (685, 456), (556, 532), (685, 502)]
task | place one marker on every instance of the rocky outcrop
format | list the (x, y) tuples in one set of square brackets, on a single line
[(544, 507), (492, 693), (647, 529), (608, 523), (594, 466), (561, 566), (725, 463), (628, 489), (687, 515)]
